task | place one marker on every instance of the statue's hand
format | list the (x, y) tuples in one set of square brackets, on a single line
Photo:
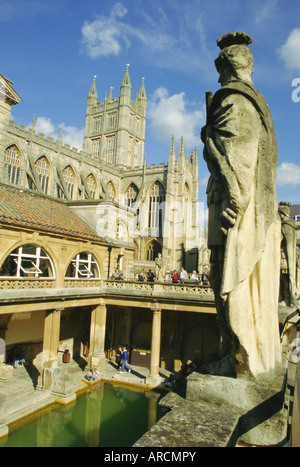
[(228, 218)]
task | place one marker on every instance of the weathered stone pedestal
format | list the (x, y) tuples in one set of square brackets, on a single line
[(6, 372), (58, 381), (262, 417)]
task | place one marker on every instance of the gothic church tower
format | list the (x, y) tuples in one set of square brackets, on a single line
[(115, 128)]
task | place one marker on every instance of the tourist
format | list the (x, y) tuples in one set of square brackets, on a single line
[(18, 357), (205, 277), (194, 276), (141, 276), (183, 275), (175, 276), (124, 360), (116, 274), (150, 276), (119, 357)]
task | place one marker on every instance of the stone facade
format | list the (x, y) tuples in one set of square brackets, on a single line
[(159, 203)]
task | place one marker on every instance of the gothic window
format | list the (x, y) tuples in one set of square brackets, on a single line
[(156, 206), (83, 266), (131, 194), (43, 170), (28, 261), (60, 192), (96, 148), (109, 149), (69, 178), (111, 190), (91, 183), (13, 163), (153, 250), (112, 119), (98, 124)]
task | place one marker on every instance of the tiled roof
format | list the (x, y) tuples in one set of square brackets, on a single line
[(22, 208)]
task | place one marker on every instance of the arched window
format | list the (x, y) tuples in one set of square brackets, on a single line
[(111, 190), (83, 266), (92, 185), (27, 261), (156, 206), (131, 194), (43, 170), (69, 178), (152, 251), (13, 163)]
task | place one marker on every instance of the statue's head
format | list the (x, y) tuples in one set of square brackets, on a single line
[(284, 209), (235, 60)]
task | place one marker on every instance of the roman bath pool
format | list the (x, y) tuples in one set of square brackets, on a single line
[(103, 416)]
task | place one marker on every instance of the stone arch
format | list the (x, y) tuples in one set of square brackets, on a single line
[(43, 170), (152, 249), (131, 194), (92, 185), (83, 265), (13, 162), (27, 260), (111, 190)]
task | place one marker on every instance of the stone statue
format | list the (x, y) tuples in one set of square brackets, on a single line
[(243, 226), (160, 267), (288, 256)]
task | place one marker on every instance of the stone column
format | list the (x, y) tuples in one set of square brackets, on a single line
[(97, 337), (155, 347), (51, 338)]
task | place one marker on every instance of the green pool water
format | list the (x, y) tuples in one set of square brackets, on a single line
[(105, 416)]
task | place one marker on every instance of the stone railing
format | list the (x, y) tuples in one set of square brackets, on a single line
[(159, 287), (114, 286), (78, 283), (26, 283)]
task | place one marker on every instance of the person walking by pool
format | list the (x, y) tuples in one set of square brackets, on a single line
[(124, 360), (119, 357)]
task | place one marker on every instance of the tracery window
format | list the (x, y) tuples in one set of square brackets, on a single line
[(153, 250), (156, 206), (28, 261), (131, 194), (111, 190), (69, 178), (83, 266), (96, 147), (13, 161), (43, 170), (112, 119), (98, 124), (92, 186), (109, 149)]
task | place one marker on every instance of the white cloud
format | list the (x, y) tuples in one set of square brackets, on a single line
[(174, 115), (290, 50), (70, 134), (288, 174), (102, 37), (108, 35)]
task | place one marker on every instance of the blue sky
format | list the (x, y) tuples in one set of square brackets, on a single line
[(51, 50)]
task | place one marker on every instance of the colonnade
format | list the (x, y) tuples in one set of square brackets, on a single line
[(96, 358)]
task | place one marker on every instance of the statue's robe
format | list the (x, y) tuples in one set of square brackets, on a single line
[(241, 153)]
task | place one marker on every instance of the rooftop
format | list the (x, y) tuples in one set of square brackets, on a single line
[(26, 209)]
